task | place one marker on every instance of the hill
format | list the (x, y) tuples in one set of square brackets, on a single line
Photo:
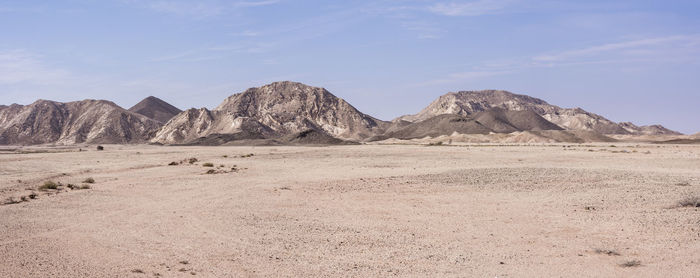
[(156, 109), (467, 103)]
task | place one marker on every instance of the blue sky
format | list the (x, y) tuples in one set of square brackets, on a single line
[(633, 61)]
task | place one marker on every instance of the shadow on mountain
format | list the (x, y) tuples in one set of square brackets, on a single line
[(248, 138)]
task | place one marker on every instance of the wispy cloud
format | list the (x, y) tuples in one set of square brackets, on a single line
[(188, 8), (255, 3), (638, 52), (20, 66), (639, 47), (198, 9), (470, 8)]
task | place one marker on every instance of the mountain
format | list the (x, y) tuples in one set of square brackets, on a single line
[(156, 109), (648, 129), (274, 110), (470, 102), (87, 121)]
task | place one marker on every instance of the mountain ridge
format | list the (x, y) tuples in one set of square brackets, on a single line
[(86, 121), (469, 102), (286, 109)]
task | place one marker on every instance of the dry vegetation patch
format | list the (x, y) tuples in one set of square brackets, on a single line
[(690, 202), (631, 263), (608, 252), (49, 185)]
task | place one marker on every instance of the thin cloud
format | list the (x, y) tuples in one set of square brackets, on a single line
[(20, 66), (472, 8), (632, 47), (256, 3), (198, 9)]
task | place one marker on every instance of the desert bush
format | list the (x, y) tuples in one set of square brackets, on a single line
[(690, 202), (89, 180), (247, 155), (192, 160), (85, 186), (631, 263), (173, 163), (71, 186), (211, 171), (208, 164), (100, 148), (48, 185), (606, 252)]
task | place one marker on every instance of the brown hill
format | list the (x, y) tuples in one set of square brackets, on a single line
[(155, 109), (87, 121), (445, 124), (506, 121), (470, 102), (275, 110), (648, 129)]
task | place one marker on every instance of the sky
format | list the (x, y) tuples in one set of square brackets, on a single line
[(635, 61)]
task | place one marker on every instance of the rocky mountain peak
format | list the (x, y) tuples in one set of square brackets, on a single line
[(279, 109), (156, 109)]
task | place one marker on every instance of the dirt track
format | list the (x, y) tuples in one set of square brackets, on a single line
[(484, 211)]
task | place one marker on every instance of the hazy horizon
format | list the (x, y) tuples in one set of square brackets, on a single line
[(627, 61)]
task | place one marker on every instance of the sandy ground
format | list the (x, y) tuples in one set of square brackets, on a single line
[(364, 211)]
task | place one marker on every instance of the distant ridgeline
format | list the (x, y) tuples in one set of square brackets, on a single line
[(294, 113)]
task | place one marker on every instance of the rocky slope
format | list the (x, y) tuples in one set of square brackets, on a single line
[(156, 109), (274, 110), (87, 121), (470, 102)]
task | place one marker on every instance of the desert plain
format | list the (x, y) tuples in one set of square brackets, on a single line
[(470, 210)]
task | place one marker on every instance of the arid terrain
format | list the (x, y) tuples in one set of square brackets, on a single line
[(474, 210)]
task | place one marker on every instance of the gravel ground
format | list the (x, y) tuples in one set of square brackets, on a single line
[(366, 211)]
